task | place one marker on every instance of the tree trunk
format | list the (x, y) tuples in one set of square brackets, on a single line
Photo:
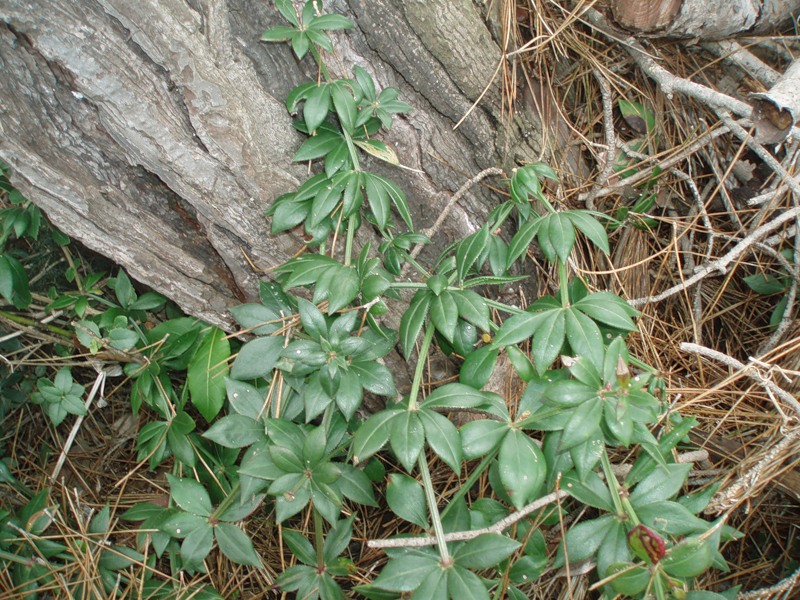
[(155, 132), (703, 19)]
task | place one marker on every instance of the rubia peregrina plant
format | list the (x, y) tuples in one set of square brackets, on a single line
[(295, 388)]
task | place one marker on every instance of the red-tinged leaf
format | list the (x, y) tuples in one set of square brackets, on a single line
[(647, 544)]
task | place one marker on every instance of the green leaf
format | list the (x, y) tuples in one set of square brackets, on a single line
[(254, 316), (614, 548), (561, 234), (413, 319), (637, 110), (442, 437), (628, 579), (583, 539), (455, 395), (345, 290), (478, 438), (318, 103), (207, 371), (662, 484), (279, 33), (286, 9), (406, 573), (406, 499), (522, 240), (548, 339), (374, 377), (355, 485), (584, 337), (235, 544), (522, 467), (245, 399), (583, 424), (330, 23), (378, 199), (299, 545), (485, 551), (444, 314), (190, 495), (465, 585), (689, 558), (590, 490), (373, 434), (765, 284), (590, 227), (257, 358), (407, 438), (608, 309), (479, 366), (671, 518), (235, 431), (197, 545), (519, 328), (338, 539), (521, 363), (469, 249), (472, 308), (569, 392)]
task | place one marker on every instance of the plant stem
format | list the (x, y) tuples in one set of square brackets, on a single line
[(423, 355), (422, 462), (319, 541), (611, 481), (433, 509), (563, 281), (348, 243), (32, 323), (226, 501), (473, 477)]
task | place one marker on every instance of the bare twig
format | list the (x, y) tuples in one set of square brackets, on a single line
[(750, 371), (451, 203), (460, 536), (98, 384), (720, 265), (747, 484), (607, 160)]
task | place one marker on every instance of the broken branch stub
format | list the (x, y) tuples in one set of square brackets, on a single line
[(775, 112)]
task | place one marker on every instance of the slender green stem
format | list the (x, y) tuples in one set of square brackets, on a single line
[(433, 509), (318, 59), (422, 462), (420, 269), (226, 501), (32, 323), (351, 148), (473, 477), (563, 281), (504, 307), (423, 355), (26, 562), (611, 481), (348, 243), (407, 285), (319, 541)]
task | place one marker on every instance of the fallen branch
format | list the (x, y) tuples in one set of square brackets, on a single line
[(460, 536), (750, 371), (720, 265)]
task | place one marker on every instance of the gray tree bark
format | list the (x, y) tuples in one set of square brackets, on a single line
[(155, 132)]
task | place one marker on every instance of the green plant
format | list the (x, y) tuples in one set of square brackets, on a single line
[(275, 419), (294, 390)]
